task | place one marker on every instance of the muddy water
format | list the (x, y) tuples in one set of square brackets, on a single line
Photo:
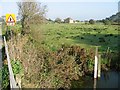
[(110, 79)]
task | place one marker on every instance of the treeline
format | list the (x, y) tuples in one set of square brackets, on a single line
[(112, 20)]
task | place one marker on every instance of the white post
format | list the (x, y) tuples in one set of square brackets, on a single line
[(99, 66), (96, 62), (11, 75), (95, 84)]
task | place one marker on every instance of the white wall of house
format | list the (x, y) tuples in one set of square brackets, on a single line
[(68, 20), (71, 21)]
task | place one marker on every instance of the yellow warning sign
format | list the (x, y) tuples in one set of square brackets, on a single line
[(10, 19)]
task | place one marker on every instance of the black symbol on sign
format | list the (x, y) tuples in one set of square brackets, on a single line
[(10, 19)]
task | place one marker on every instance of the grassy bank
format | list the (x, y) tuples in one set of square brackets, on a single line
[(59, 53)]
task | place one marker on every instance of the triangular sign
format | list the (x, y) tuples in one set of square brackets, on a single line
[(10, 19)]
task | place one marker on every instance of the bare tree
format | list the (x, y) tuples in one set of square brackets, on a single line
[(31, 13)]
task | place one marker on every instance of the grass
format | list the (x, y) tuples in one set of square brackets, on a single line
[(86, 36)]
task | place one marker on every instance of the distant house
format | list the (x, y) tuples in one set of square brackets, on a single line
[(68, 20)]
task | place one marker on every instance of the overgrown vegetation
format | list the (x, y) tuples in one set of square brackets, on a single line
[(5, 78), (16, 66), (56, 66), (54, 69), (5, 72), (54, 55)]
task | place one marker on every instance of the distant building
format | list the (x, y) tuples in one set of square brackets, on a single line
[(68, 20)]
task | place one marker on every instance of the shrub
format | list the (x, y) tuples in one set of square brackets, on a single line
[(106, 22), (16, 66), (58, 20), (91, 21), (5, 77), (55, 69)]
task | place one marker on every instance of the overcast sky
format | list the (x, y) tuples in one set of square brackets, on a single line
[(76, 9)]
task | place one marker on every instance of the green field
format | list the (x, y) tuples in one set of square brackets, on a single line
[(86, 36)]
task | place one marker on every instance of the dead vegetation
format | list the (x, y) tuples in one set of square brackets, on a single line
[(44, 69)]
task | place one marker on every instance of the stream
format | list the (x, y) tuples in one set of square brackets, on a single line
[(109, 79)]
